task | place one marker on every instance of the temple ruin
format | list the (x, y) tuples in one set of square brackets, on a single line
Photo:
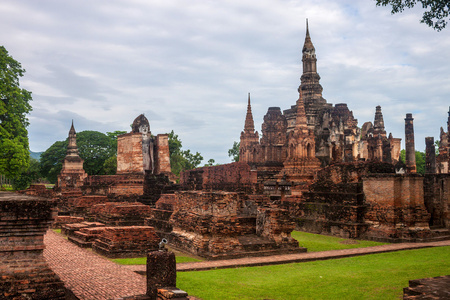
[(313, 169), (336, 178)]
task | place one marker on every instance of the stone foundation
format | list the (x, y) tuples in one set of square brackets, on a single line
[(62, 220), (234, 177), (69, 229), (218, 225), (396, 209), (123, 187), (80, 206), (85, 237), (130, 241), (24, 272), (120, 213), (333, 209)]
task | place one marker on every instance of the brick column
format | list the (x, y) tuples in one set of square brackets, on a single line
[(24, 273), (430, 159), (410, 158), (162, 277)]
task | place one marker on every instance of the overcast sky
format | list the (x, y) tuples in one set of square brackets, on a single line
[(188, 65)]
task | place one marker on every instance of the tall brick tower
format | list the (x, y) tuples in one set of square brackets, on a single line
[(410, 157), (378, 124), (309, 87), (248, 149)]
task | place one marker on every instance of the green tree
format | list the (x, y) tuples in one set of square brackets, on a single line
[(181, 160), (435, 16), (51, 160), (420, 160), (210, 163), (234, 152), (110, 165), (32, 174), (96, 148), (14, 105)]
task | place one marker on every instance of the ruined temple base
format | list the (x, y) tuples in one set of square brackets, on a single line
[(228, 248), (126, 242)]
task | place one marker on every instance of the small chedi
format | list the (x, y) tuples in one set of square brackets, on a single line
[(72, 174)]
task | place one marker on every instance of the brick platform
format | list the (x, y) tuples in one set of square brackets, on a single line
[(129, 241)]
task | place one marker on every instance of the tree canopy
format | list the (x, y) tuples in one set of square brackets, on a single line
[(97, 149), (14, 106), (181, 160), (436, 15), (234, 152), (420, 160)]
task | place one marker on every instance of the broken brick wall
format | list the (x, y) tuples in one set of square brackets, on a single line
[(129, 153), (115, 186), (128, 241), (120, 213), (162, 156), (330, 208), (235, 177), (396, 208), (437, 199), (224, 224)]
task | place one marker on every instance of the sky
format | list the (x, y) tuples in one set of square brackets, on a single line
[(189, 65)]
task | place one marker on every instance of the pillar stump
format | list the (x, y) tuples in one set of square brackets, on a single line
[(24, 273)]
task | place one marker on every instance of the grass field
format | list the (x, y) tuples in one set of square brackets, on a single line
[(316, 242), (376, 276)]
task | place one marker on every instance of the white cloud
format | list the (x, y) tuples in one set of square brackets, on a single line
[(189, 65)]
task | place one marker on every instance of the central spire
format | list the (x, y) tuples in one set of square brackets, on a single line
[(308, 46), (72, 149), (249, 124)]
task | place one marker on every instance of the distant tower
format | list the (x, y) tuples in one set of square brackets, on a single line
[(248, 149), (378, 124), (72, 173), (410, 157)]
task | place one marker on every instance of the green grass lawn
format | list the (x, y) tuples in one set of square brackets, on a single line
[(316, 242), (376, 276)]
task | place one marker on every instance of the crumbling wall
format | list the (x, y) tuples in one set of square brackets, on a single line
[(129, 241), (396, 209), (236, 177), (224, 224), (120, 213)]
